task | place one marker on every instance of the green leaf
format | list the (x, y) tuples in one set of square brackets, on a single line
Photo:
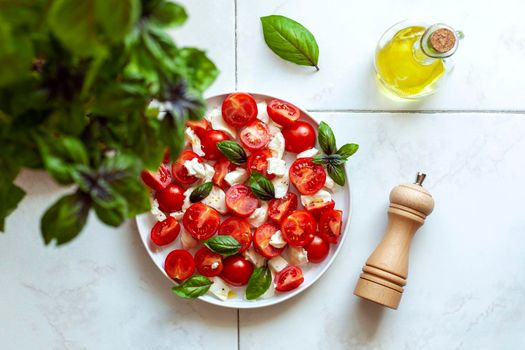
[(135, 194), (172, 134), (290, 40), (261, 187), (74, 23), (169, 14), (201, 192), (111, 216), (347, 150), (324, 159), (223, 244), (200, 71), (259, 283), (117, 17), (10, 196), (193, 287), (326, 138), (337, 173), (233, 151), (16, 52), (64, 220)]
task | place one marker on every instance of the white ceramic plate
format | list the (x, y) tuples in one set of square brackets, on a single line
[(311, 272)]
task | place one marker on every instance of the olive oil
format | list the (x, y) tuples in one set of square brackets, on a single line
[(410, 59)]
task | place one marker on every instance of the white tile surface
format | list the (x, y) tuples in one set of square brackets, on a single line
[(489, 69), (466, 284)]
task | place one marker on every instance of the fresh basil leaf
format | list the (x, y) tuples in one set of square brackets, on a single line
[(112, 216), (135, 194), (290, 40), (10, 196), (233, 151), (324, 159), (337, 173), (117, 17), (198, 69), (326, 138), (169, 14), (201, 192), (348, 150), (261, 187), (259, 283), (64, 220), (193, 287), (223, 245)]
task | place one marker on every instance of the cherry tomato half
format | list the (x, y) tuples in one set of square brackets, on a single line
[(261, 241), (222, 167), (180, 173), (279, 208), (298, 228), (241, 201), (289, 278), (258, 161), (299, 137), (209, 143), (170, 198), (201, 221), (179, 265), (255, 136), (239, 229), (236, 270), (317, 250), (208, 263), (198, 126), (157, 180), (330, 225), (283, 113), (317, 209), (165, 232), (239, 109), (307, 176)]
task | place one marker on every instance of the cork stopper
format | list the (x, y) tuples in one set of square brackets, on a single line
[(443, 40)]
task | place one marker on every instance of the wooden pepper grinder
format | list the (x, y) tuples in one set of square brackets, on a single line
[(386, 270)]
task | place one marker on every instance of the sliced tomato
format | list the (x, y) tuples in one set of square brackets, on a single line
[(170, 198), (283, 113), (201, 221), (307, 176), (279, 208), (241, 201), (199, 126), (157, 180), (261, 241), (209, 143), (179, 265), (255, 136), (180, 173), (330, 225), (298, 228), (258, 161), (289, 278), (239, 229), (236, 270), (208, 263), (239, 109), (165, 232), (222, 167), (317, 250), (299, 137), (317, 209)]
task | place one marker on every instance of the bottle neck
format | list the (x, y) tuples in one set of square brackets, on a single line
[(419, 54)]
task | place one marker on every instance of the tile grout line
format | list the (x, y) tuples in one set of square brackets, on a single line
[(235, 44), (419, 111)]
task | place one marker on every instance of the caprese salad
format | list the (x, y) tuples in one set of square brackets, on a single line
[(228, 197)]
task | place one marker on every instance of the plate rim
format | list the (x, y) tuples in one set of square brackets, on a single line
[(247, 304)]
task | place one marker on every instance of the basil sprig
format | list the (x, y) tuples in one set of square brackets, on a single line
[(193, 287), (259, 283), (233, 151), (333, 159), (290, 40), (261, 187), (223, 245), (201, 192)]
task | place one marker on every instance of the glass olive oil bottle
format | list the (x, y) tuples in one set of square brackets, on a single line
[(411, 59)]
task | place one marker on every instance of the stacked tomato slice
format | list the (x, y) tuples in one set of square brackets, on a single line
[(236, 211)]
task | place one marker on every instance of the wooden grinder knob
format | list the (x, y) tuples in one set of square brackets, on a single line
[(386, 270)]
